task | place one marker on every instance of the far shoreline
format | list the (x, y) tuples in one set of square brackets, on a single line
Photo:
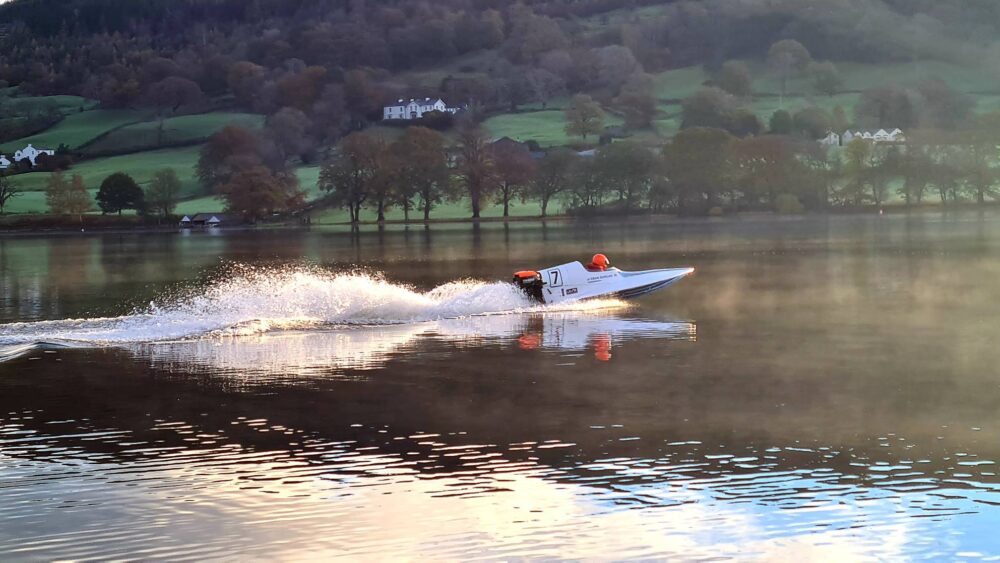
[(33, 229)]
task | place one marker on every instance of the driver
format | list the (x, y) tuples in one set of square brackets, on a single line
[(598, 263)]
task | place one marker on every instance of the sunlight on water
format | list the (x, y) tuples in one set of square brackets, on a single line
[(257, 300)]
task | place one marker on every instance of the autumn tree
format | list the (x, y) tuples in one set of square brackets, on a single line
[(119, 192), (787, 57), (257, 192), (514, 170), (553, 177), (8, 191), (244, 80), (169, 95), (584, 116), (351, 176), (421, 169), (164, 191), (764, 167), (67, 198), (228, 151), (476, 167)]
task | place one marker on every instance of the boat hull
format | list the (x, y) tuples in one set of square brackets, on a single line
[(573, 282)]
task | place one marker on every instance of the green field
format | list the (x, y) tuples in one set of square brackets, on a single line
[(77, 129), (176, 130), (28, 104), (545, 127), (140, 166)]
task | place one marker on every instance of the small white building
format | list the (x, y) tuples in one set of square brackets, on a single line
[(31, 153), (4, 163), (415, 108)]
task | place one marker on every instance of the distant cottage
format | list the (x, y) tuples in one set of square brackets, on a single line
[(31, 153), (4, 163), (415, 108), (881, 136)]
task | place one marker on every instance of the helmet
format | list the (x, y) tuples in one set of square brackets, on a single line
[(600, 260)]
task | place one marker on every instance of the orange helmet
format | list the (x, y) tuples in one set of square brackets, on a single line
[(600, 260)]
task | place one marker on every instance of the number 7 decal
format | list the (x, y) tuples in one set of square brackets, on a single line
[(555, 279)]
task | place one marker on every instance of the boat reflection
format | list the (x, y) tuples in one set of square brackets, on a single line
[(338, 350)]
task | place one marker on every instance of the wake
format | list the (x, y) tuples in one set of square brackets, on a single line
[(253, 301)]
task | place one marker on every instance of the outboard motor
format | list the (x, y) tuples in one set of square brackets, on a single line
[(531, 284)]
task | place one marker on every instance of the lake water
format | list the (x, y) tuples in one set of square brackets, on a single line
[(819, 389)]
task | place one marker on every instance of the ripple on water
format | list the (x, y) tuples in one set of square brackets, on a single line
[(178, 489)]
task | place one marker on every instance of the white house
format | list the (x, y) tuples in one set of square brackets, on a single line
[(415, 108), (880, 136), (831, 140), (31, 153), (4, 163)]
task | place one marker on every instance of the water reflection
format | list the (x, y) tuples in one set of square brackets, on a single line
[(289, 354)]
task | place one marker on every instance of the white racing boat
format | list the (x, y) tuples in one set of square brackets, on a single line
[(573, 282)]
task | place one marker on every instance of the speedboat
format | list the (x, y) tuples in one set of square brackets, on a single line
[(573, 282)]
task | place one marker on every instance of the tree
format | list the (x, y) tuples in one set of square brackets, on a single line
[(119, 192), (942, 106), (514, 170), (637, 101), (476, 166), (170, 95), (615, 64), (257, 192), (244, 80), (781, 123), (734, 78), (699, 165), (164, 191), (708, 107), (787, 57), (826, 78), (553, 176), (765, 167), (887, 107), (421, 169), (625, 167), (350, 177), (228, 151), (67, 198), (8, 191), (812, 122), (583, 116), (290, 130), (857, 157)]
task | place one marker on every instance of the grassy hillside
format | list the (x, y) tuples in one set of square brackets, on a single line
[(176, 130), (77, 129)]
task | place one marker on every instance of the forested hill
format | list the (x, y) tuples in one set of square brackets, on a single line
[(74, 46)]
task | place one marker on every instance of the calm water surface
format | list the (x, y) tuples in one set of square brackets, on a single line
[(820, 389)]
